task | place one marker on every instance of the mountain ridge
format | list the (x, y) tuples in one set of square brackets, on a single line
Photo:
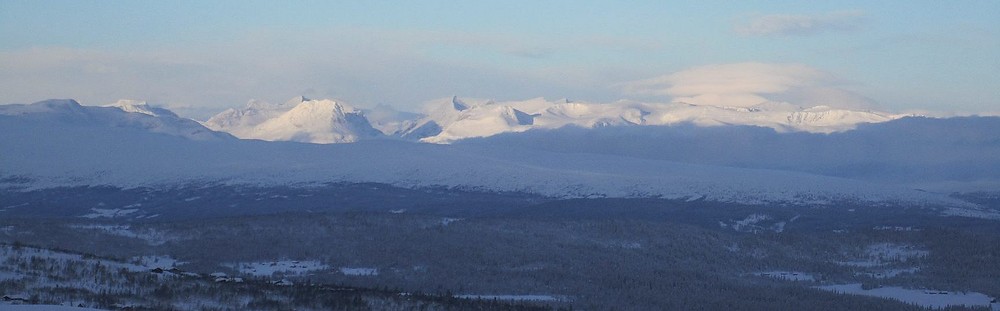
[(123, 114), (454, 119), (458, 119)]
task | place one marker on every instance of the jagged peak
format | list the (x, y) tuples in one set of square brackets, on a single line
[(458, 104), (321, 109), (255, 104), (296, 100), (519, 116)]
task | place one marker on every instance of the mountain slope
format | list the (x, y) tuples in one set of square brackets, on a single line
[(123, 115), (954, 154), (300, 119)]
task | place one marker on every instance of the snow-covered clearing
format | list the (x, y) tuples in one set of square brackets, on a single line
[(152, 237), (513, 297), (6, 307), (162, 262), (757, 223), (359, 271), (880, 254), (787, 275), (12, 253), (922, 297), (895, 252), (888, 273), (109, 213), (268, 268)]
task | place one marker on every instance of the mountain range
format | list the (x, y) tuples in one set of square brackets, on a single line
[(812, 156), (450, 120)]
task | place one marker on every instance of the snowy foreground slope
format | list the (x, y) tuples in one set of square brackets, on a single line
[(43, 147)]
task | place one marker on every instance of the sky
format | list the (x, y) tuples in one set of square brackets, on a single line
[(200, 57)]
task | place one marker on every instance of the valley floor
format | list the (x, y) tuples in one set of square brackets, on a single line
[(344, 247)]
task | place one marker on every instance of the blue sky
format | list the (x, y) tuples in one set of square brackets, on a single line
[(198, 57)]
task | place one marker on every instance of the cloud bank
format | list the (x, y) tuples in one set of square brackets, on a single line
[(751, 84), (798, 25)]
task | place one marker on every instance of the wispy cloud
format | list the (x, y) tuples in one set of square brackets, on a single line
[(798, 25), (749, 84)]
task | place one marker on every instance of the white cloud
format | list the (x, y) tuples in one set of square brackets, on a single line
[(787, 24), (749, 84)]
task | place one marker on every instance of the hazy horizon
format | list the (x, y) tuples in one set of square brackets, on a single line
[(201, 58)]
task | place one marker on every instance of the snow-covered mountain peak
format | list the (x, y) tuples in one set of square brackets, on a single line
[(520, 117), (139, 106), (298, 119), (481, 120), (240, 121), (254, 104), (311, 110), (458, 104), (260, 105)]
